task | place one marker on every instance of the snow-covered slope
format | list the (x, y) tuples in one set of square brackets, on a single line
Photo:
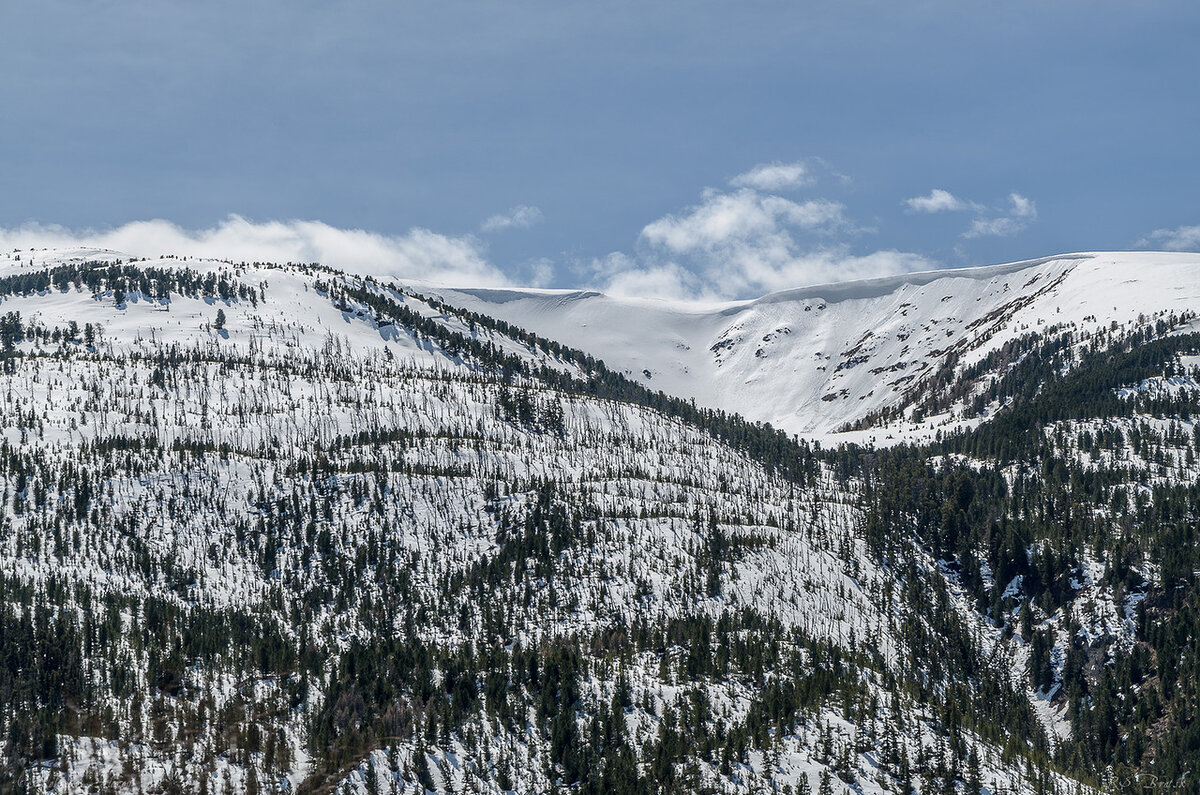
[(353, 474), (194, 446), (814, 359)]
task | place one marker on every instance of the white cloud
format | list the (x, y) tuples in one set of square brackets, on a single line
[(1020, 214), (1022, 207), (749, 277), (1181, 238), (994, 221), (732, 244), (417, 254), (669, 280), (739, 218), (741, 244), (541, 272), (993, 227), (522, 216), (774, 177), (939, 201)]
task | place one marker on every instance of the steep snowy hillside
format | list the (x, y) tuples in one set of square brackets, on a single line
[(814, 360), (279, 528), (273, 528)]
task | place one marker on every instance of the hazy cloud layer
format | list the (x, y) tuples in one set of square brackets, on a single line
[(1181, 238), (522, 216), (417, 254)]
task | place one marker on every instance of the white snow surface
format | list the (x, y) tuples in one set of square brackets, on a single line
[(811, 360)]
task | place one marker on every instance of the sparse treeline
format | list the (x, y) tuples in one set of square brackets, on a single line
[(122, 280)]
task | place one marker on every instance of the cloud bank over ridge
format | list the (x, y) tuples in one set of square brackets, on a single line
[(746, 240), (417, 254), (769, 228)]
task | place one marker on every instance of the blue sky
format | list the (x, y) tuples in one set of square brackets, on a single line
[(699, 149)]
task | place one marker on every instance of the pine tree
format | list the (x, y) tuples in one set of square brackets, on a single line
[(974, 779)]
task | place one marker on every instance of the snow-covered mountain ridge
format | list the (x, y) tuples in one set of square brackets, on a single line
[(816, 361), (812, 360)]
